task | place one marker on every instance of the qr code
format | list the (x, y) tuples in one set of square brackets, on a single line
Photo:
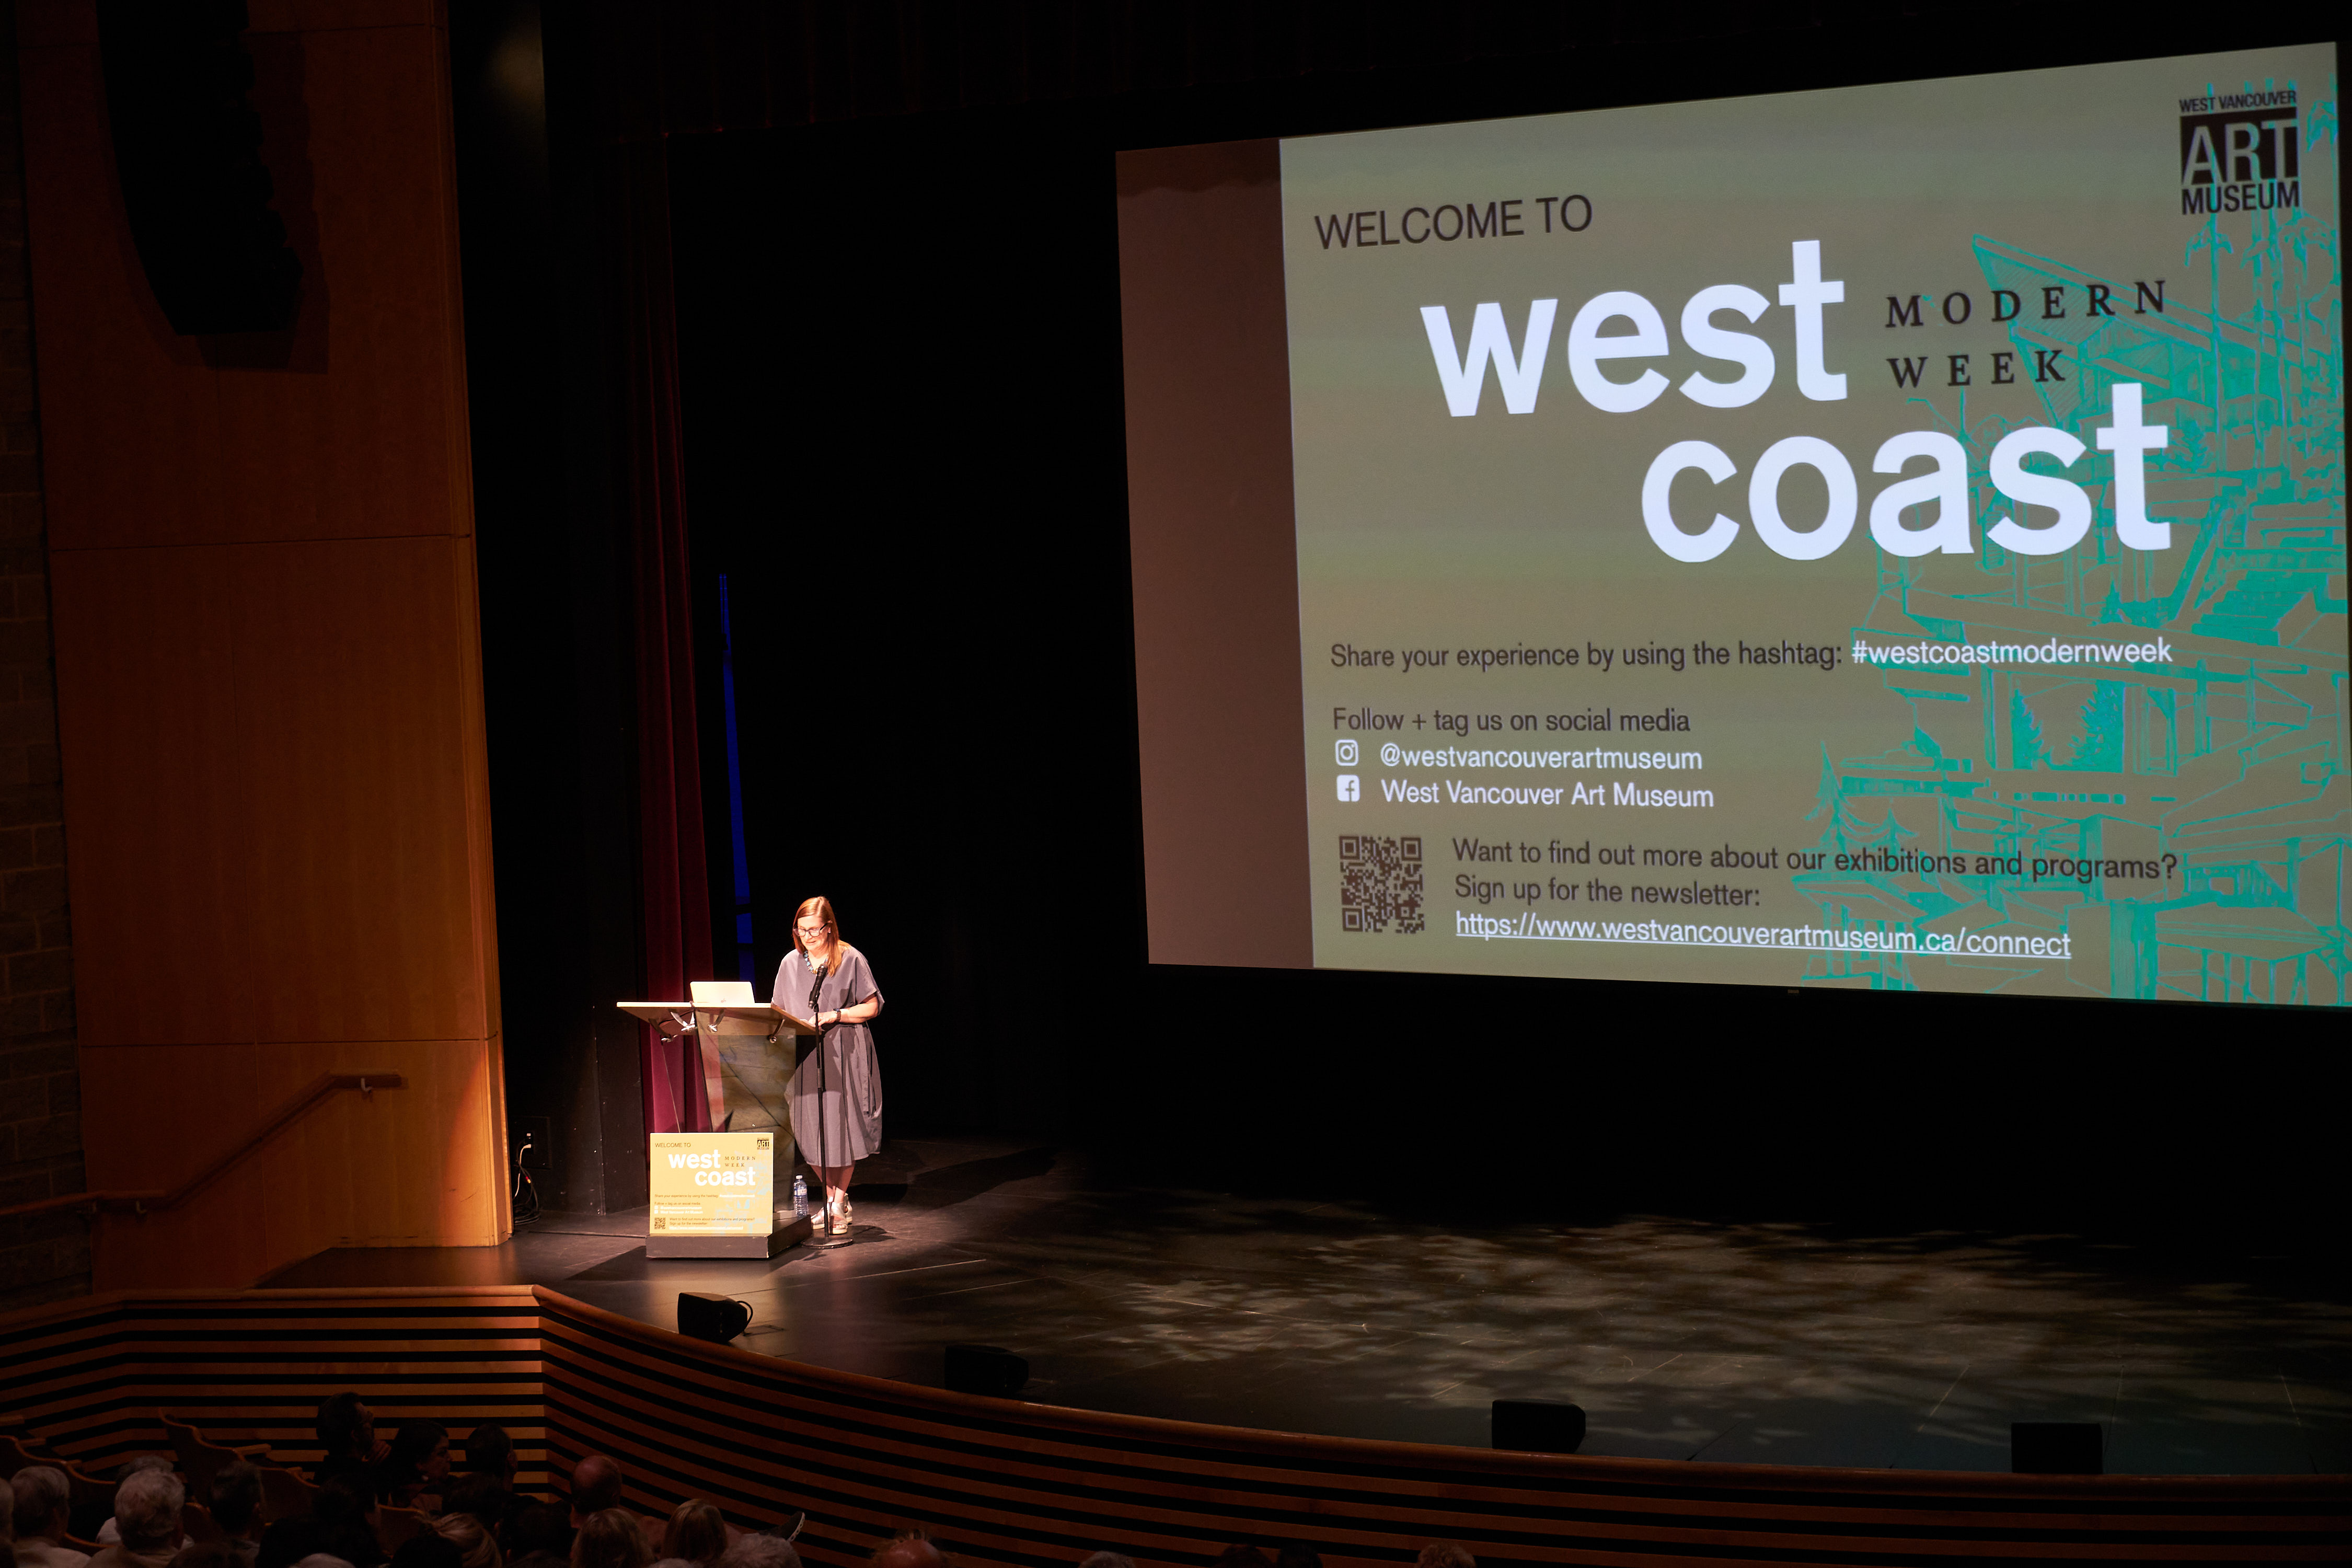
[(1380, 883)]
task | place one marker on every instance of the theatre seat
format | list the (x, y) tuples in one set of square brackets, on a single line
[(284, 1494), (201, 1459), (14, 1455), (86, 1489), (397, 1525), (197, 1523)]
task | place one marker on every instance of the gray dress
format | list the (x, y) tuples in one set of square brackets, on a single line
[(837, 1092)]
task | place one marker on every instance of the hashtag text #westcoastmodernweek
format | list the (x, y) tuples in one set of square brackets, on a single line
[(2049, 651)]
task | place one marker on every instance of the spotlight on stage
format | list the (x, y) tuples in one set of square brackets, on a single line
[(1536, 1426), (985, 1369), (2057, 1448), (717, 1319)]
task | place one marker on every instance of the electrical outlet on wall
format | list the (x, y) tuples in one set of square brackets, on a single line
[(540, 1155)]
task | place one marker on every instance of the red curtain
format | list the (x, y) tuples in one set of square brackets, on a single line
[(677, 1074)]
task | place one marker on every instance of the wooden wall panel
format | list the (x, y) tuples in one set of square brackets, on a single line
[(480, 910), (272, 750), (148, 734), (206, 1096), (362, 433), (416, 1166), (1004, 1481), (350, 731), (269, 669), (89, 1379), (424, 1162)]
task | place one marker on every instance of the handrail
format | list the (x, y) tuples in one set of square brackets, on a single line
[(146, 1200)]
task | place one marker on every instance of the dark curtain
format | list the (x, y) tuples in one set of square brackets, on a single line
[(679, 1074), (654, 71), (689, 65)]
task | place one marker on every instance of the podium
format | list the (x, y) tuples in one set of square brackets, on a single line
[(713, 1194)]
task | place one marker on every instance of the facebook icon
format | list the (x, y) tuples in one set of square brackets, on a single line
[(1349, 788)]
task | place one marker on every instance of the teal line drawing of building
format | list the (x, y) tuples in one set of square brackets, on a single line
[(2225, 767)]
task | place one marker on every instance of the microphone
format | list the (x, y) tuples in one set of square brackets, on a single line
[(815, 986)]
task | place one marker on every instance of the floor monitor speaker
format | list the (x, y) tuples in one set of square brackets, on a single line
[(985, 1369), (717, 1319), (1536, 1426), (2057, 1448)]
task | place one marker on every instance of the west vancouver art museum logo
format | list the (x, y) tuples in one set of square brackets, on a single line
[(2240, 151)]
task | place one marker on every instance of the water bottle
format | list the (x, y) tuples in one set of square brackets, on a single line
[(800, 1197)]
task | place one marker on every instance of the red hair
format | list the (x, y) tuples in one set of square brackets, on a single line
[(822, 908)]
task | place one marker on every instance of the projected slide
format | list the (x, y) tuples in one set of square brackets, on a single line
[(1888, 537)]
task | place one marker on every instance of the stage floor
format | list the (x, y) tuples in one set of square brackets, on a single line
[(1758, 1343)]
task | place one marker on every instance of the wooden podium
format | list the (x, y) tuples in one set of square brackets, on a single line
[(712, 1194)]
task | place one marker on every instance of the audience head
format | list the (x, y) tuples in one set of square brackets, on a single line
[(760, 1551), (43, 1498), (147, 1509), (1297, 1556), (697, 1534), (7, 1512), (909, 1549), (422, 1449), (341, 1502), (1108, 1560), (346, 1427), (344, 1512), (211, 1554), (1445, 1554), (1239, 1556), (536, 1528), (428, 1549), (608, 1538), (484, 1497), (287, 1542), (236, 1497), (475, 1544), (490, 1452), (595, 1487), (322, 1560)]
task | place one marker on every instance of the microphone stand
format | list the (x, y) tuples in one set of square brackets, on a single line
[(824, 1081)]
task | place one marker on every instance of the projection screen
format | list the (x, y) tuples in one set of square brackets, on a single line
[(1887, 537)]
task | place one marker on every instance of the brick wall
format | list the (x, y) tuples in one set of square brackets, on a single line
[(40, 1084)]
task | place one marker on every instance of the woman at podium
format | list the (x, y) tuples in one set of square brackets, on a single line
[(836, 1095)]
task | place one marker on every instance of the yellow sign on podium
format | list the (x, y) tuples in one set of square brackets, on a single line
[(713, 1183)]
